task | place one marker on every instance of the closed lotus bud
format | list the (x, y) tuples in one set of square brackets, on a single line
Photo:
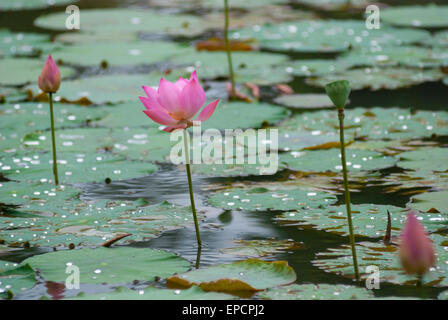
[(50, 77), (416, 249), (338, 91)]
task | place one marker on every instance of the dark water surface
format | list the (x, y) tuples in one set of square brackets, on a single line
[(220, 227)]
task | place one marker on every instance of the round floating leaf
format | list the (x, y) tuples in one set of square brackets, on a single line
[(386, 257), (305, 101), (317, 67), (430, 159), (242, 276), (16, 280), (16, 193), (215, 4), (152, 293), (369, 220), (316, 292), (380, 78), (430, 16), (117, 53), (75, 167), (255, 67), (22, 71), (13, 5), (262, 248), (330, 160), (335, 5), (263, 199), (21, 44), (303, 139), (373, 123), (132, 111), (430, 202), (439, 39), (127, 20), (26, 117), (326, 36), (109, 265), (95, 37)]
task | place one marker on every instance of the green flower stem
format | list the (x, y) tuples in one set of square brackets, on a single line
[(190, 185), (346, 190), (53, 140), (198, 257), (226, 40)]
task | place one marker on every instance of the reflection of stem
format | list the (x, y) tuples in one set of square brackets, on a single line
[(198, 257), (347, 191), (190, 185), (420, 280), (55, 162), (226, 40)]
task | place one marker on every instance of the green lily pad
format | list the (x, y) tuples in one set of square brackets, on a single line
[(247, 275), (386, 257), (326, 36), (335, 5), (262, 248), (431, 159), (255, 67), (152, 293), (21, 44), (443, 295), (317, 67), (95, 37), (305, 101), (215, 4), (316, 292), (439, 39), (368, 220), (16, 280), (127, 20), (117, 53), (16, 193), (8, 94), (329, 160), (74, 167), (109, 265), (22, 71), (132, 111), (13, 5), (430, 16), (26, 117), (262, 199), (430, 201), (380, 78)]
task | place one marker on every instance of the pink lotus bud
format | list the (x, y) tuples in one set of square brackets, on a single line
[(416, 249), (50, 77), (175, 104)]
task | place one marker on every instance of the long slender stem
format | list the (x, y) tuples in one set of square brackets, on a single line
[(347, 191), (226, 40), (190, 186), (198, 257), (53, 140)]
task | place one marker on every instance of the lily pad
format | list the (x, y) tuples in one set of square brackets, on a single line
[(249, 275), (430, 159), (117, 53), (317, 67), (13, 5), (262, 199), (330, 160), (369, 220), (330, 36), (335, 5), (430, 16), (95, 37), (262, 248), (386, 257), (439, 39), (153, 293), (16, 280), (21, 44), (127, 20), (22, 71), (317, 292), (109, 265), (74, 167), (431, 202), (380, 78), (215, 4), (305, 101)]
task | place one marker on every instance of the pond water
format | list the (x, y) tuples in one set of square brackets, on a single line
[(221, 227)]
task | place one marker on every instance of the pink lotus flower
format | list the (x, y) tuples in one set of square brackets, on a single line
[(175, 104), (416, 250), (50, 77)]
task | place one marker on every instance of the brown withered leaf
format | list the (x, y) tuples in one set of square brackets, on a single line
[(218, 44)]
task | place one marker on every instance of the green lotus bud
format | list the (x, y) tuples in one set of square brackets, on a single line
[(338, 91)]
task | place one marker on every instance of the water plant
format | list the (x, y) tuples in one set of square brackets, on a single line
[(228, 49), (339, 91), (174, 105), (49, 82)]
